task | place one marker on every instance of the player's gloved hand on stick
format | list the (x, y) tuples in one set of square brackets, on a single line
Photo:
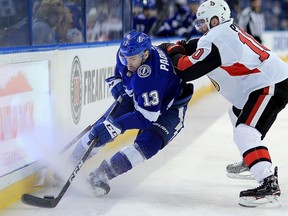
[(106, 131), (115, 85)]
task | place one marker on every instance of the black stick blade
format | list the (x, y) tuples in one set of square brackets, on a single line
[(39, 202)]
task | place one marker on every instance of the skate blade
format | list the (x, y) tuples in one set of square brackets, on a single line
[(271, 201), (245, 176), (99, 192)]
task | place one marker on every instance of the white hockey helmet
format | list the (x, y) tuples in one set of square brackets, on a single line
[(211, 8)]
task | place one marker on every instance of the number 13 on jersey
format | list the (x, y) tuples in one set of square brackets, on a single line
[(151, 98)]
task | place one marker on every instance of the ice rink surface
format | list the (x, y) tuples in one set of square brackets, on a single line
[(188, 177)]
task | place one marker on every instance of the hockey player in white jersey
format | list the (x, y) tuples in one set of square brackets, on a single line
[(249, 76)]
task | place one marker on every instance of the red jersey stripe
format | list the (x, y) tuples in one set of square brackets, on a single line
[(238, 69), (183, 63), (266, 90), (251, 157), (257, 105), (255, 109)]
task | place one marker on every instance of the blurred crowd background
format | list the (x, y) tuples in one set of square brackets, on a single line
[(48, 22)]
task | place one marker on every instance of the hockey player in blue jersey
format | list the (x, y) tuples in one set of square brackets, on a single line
[(154, 101), (145, 21), (179, 24)]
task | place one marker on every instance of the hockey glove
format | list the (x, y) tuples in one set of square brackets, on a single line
[(106, 131), (189, 46), (172, 49), (115, 85)]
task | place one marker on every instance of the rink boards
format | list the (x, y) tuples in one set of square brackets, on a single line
[(49, 96)]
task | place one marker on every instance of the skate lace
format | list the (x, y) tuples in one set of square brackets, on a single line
[(272, 182), (257, 188)]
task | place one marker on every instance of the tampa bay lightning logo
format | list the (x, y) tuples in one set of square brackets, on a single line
[(140, 39), (144, 71)]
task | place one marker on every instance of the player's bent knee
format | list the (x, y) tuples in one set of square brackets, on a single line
[(146, 145), (149, 143), (246, 137)]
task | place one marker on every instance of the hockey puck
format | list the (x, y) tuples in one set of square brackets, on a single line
[(48, 197)]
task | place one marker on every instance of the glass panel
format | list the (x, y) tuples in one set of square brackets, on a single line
[(56, 21), (104, 20), (144, 16), (127, 16), (14, 24), (75, 29)]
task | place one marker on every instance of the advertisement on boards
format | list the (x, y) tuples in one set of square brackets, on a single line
[(89, 94), (24, 106)]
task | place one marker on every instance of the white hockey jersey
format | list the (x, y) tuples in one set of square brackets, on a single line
[(234, 61)]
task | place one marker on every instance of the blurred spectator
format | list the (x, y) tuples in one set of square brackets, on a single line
[(163, 12), (106, 16), (128, 19), (137, 7), (14, 25), (47, 18), (252, 20), (75, 9), (91, 17), (277, 11), (193, 6), (114, 23), (180, 24), (145, 20), (97, 17), (104, 19), (284, 16), (65, 31), (65, 23), (235, 9)]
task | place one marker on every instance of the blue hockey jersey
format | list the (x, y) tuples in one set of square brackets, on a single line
[(154, 86), (143, 24)]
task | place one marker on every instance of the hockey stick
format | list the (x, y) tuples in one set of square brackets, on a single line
[(78, 137), (51, 201)]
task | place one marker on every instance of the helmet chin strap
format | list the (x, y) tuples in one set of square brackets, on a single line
[(142, 55)]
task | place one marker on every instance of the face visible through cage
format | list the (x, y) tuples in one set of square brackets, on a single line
[(199, 23)]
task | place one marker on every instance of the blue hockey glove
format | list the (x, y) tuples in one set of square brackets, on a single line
[(115, 85), (106, 131)]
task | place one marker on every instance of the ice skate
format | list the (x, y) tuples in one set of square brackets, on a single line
[(99, 180), (239, 170), (267, 193)]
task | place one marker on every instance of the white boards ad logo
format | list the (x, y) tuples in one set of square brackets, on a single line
[(76, 90)]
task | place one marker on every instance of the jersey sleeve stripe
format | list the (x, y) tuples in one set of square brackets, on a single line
[(184, 63)]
